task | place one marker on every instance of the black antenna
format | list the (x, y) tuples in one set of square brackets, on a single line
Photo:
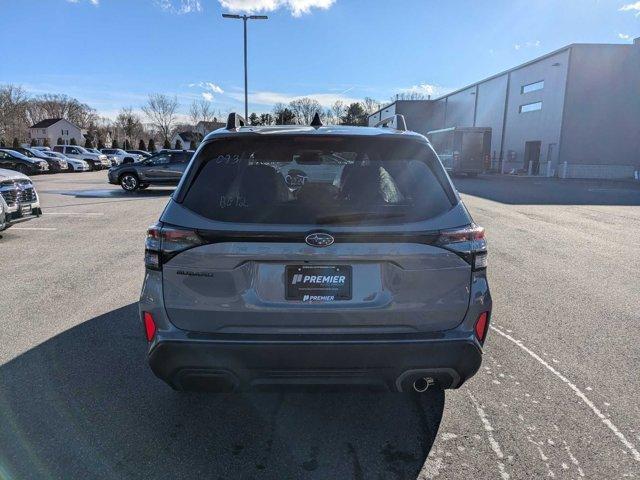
[(316, 122)]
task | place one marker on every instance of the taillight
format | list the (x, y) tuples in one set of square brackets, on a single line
[(165, 241), (149, 325), (152, 248), (482, 324), (468, 242)]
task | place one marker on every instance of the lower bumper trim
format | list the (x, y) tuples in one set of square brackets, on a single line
[(391, 366)]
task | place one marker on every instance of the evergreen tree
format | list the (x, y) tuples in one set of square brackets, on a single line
[(114, 143), (46, 142), (254, 119), (73, 141), (152, 146), (355, 115), (178, 144), (88, 143), (166, 144), (16, 142), (2, 143), (142, 146), (100, 143), (127, 144), (59, 141), (33, 142)]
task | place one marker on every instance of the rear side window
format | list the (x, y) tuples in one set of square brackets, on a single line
[(317, 180)]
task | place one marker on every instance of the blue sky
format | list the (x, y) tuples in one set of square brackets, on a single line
[(112, 53)]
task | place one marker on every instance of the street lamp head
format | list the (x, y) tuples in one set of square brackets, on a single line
[(228, 15), (258, 17)]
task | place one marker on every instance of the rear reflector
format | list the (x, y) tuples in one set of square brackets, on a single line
[(149, 326), (481, 325)]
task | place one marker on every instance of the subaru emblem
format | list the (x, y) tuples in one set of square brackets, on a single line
[(319, 239)]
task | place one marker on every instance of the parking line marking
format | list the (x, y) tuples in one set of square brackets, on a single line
[(34, 228), (634, 451), (72, 213), (488, 428)]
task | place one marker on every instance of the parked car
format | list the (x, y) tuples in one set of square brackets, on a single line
[(121, 156), (74, 164), (374, 277), (164, 168), (96, 161), (12, 160), (142, 153), (56, 165), (112, 160), (18, 198)]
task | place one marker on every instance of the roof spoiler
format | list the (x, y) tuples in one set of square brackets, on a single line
[(235, 121), (396, 121)]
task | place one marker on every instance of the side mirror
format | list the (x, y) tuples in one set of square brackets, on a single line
[(127, 160)]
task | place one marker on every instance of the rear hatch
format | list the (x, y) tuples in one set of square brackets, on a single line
[(314, 234)]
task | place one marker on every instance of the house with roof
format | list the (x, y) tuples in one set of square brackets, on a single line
[(203, 128), (189, 140), (52, 129)]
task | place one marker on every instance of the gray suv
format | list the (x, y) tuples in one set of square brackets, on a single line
[(296, 256), (164, 168)]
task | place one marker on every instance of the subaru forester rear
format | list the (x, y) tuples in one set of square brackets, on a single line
[(315, 256)]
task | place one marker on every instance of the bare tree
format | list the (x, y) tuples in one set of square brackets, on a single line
[(370, 105), (161, 111), (201, 111), (412, 95), (50, 105), (13, 120), (304, 109), (337, 111), (130, 124)]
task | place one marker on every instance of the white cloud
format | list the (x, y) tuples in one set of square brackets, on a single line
[(518, 46), (630, 7), (209, 89), (180, 7), (624, 36), (425, 89), (92, 2), (296, 7), (266, 98)]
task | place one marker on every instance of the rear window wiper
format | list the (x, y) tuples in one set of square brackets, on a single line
[(356, 216)]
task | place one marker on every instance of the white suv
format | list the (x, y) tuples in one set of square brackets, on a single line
[(120, 155), (95, 161)]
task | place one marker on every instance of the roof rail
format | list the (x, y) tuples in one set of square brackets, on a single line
[(235, 121), (316, 122), (397, 121)]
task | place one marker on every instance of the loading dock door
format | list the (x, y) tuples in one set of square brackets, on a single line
[(532, 157)]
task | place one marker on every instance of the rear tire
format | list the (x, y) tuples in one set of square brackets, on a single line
[(129, 182), (71, 169)]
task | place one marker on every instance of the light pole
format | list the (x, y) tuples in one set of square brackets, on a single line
[(245, 18)]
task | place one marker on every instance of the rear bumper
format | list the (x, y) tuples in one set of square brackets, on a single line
[(216, 363)]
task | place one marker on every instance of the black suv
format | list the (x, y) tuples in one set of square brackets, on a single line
[(164, 168)]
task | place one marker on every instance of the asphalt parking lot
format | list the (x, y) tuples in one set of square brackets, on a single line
[(556, 396)]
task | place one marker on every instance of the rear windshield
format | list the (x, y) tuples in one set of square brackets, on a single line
[(317, 180)]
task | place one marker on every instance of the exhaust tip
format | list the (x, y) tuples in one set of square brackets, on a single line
[(422, 384)]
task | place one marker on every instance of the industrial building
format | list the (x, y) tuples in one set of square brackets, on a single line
[(573, 113)]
